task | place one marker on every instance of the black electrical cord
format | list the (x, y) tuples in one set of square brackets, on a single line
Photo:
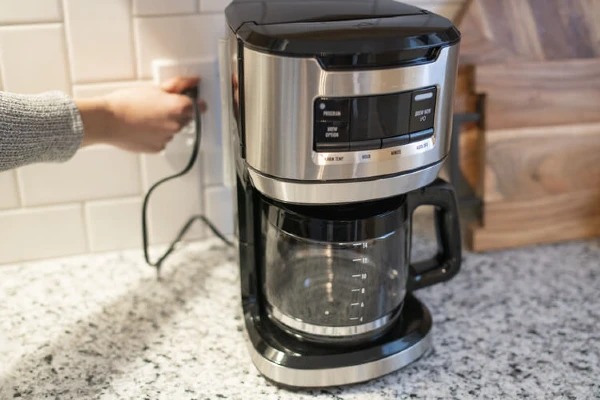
[(193, 94)]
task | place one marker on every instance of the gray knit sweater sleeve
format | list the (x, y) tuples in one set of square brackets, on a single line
[(40, 128)]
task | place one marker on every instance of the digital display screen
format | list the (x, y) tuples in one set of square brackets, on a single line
[(379, 117)]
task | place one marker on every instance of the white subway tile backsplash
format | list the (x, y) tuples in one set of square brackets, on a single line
[(94, 173), (162, 7), (219, 208), (177, 37), (213, 5), (29, 11), (101, 89), (33, 58), (9, 195), (173, 203), (114, 224), (30, 234), (99, 35)]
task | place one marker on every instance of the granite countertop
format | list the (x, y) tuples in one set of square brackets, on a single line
[(514, 324)]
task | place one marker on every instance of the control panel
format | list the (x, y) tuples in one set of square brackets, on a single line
[(374, 122)]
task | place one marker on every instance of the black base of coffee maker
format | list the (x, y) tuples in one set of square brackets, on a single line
[(294, 363)]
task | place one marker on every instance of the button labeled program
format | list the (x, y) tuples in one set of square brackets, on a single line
[(332, 110), (423, 110)]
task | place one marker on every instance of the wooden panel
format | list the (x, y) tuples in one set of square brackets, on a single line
[(505, 31), (550, 219), (569, 35), (471, 157), (531, 163), (465, 99), (499, 32), (540, 94), (593, 15)]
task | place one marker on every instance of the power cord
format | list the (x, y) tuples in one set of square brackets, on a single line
[(193, 94)]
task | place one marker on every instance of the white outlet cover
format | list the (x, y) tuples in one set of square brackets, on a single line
[(180, 148)]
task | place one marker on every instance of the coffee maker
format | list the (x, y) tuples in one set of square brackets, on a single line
[(339, 116)]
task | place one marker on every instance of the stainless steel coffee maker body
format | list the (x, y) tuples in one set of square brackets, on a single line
[(338, 120)]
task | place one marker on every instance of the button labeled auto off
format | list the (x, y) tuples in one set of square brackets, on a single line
[(423, 110)]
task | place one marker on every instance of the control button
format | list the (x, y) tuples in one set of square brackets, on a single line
[(332, 147), (332, 132), (374, 144), (396, 141), (419, 136), (332, 110), (423, 109)]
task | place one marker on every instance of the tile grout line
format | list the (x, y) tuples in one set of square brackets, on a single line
[(134, 43), (86, 227), (27, 24), (66, 41), (194, 14), (92, 84), (112, 199), (20, 191)]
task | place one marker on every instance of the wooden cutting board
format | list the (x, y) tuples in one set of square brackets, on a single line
[(541, 185), (547, 219), (537, 62), (505, 31), (529, 163), (540, 93)]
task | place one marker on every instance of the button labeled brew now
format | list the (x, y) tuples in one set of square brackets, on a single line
[(423, 110)]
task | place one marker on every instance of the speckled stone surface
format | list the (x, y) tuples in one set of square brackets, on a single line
[(514, 324)]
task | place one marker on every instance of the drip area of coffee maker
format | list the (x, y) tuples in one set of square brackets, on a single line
[(327, 290), (338, 121)]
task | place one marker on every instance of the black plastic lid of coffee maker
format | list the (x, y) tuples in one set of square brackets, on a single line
[(341, 33)]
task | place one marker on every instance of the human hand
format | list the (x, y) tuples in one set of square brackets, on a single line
[(141, 120)]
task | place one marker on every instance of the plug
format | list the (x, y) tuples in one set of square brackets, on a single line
[(192, 93)]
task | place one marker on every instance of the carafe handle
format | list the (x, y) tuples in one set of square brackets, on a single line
[(446, 263)]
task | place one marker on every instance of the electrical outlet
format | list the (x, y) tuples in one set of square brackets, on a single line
[(207, 70)]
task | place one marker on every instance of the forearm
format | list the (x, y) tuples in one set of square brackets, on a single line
[(98, 120), (42, 128)]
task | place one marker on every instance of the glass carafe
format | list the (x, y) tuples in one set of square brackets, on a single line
[(339, 274)]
